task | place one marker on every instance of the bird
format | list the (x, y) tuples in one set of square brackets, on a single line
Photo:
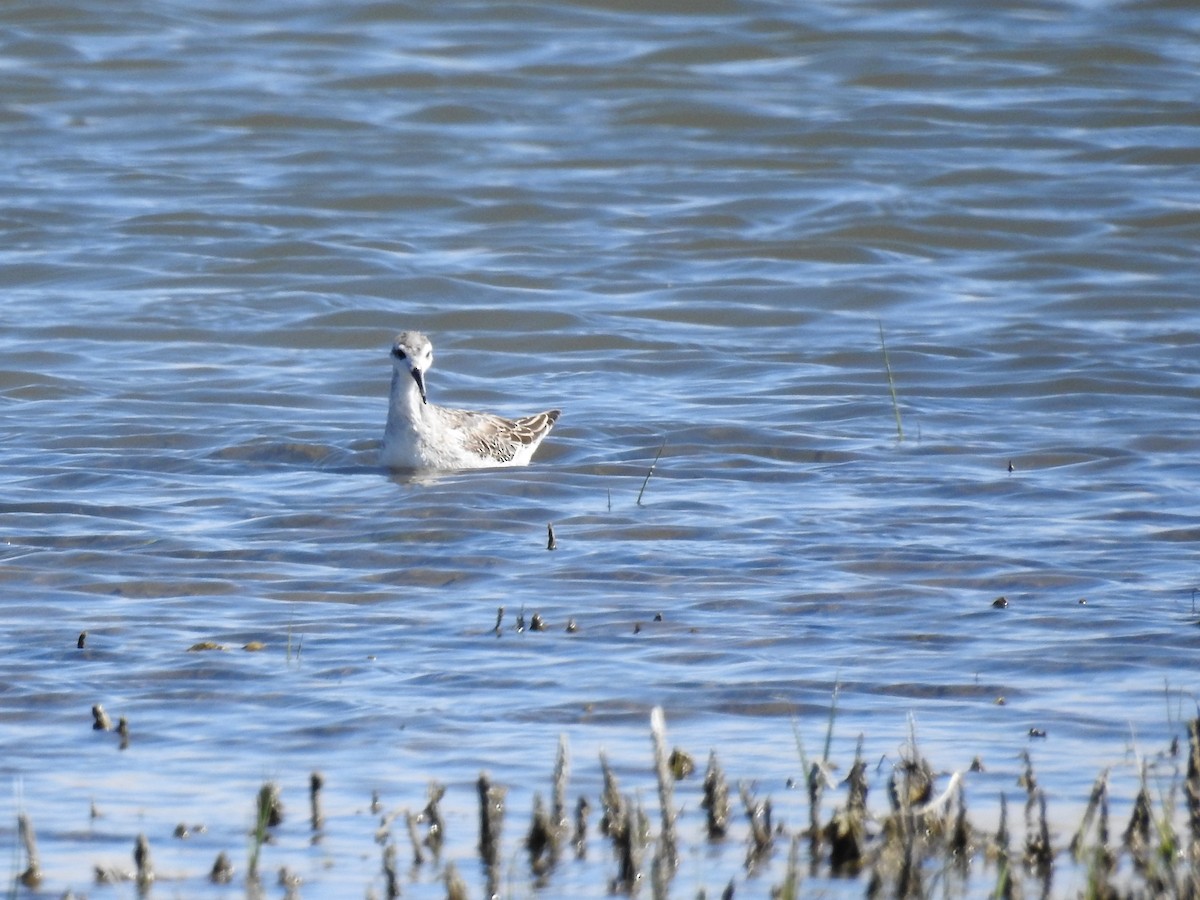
[(421, 435)]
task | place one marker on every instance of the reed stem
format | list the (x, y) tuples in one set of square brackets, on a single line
[(646, 481), (891, 384)]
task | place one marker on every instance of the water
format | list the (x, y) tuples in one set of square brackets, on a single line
[(681, 226)]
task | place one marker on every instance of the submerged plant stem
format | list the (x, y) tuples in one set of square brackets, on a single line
[(646, 481), (891, 385)]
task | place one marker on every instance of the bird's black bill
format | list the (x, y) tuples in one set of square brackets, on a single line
[(420, 380)]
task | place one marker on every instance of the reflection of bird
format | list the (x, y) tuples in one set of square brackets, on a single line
[(420, 435)]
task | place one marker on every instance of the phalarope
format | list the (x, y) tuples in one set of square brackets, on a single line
[(420, 435)]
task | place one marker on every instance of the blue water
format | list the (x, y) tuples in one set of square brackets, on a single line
[(690, 230)]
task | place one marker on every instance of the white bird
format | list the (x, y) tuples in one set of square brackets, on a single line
[(420, 435)]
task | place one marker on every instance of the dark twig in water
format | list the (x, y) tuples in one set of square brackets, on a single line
[(390, 876), (846, 832), (716, 799), (410, 822), (499, 619), (491, 818), (32, 876), (914, 818), (668, 854), (833, 701), (816, 774), (582, 808), (1098, 790), (625, 825), (222, 869), (100, 719), (1191, 786), (1099, 858), (629, 843), (960, 838), (456, 888), (758, 813), (1039, 854), (290, 882), (790, 889), (1137, 835), (435, 834), (270, 804), (141, 858), (562, 773), (315, 782), (384, 832), (551, 543), (651, 471), (1004, 883), (540, 842), (891, 385), (268, 812), (612, 803)]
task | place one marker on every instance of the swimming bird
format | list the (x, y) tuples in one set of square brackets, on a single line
[(420, 435)]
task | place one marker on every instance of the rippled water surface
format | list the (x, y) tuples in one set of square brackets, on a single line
[(687, 225)]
